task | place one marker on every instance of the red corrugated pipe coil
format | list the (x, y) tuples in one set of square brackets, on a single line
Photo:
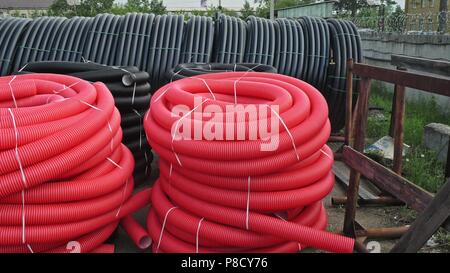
[(225, 195), (65, 177)]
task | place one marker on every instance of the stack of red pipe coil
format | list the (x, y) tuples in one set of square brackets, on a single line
[(231, 196), (65, 177)]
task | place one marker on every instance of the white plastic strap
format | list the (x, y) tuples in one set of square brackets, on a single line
[(240, 78), (16, 133), (65, 87), (134, 94), (207, 86), (287, 130), (112, 138), (90, 105), (23, 67), (24, 240), (248, 204), (323, 152), (123, 198), (114, 163), (177, 125), (23, 218), (163, 227), (146, 162), (196, 236), (235, 91), (12, 91), (299, 245), (162, 94)]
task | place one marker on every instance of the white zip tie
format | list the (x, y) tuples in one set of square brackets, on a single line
[(163, 227), (240, 78), (170, 170), (24, 241), (23, 67), (323, 152), (234, 68), (176, 128), (146, 157), (137, 112), (235, 92), (299, 245), (114, 163), (123, 198), (287, 130), (207, 86), (140, 135), (16, 132), (112, 139), (140, 126), (30, 249), (248, 204), (12, 91), (65, 87), (134, 94), (90, 105), (163, 93), (176, 73), (196, 236)]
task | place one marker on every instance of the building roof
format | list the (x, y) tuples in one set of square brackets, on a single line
[(25, 4)]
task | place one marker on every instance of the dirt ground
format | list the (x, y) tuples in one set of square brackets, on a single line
[(366, 216)]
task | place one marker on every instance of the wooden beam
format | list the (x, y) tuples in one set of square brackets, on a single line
[(359, 142), (433, 84), (399, 121), (439, 67), (384, 178), (414, 196), (428, 222), (349, 103)]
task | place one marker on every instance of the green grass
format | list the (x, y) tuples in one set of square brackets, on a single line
[(420, 165)]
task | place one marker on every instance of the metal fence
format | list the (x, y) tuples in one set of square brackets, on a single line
[(403, 23)]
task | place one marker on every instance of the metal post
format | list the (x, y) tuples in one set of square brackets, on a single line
[(272, 9), (443, 15)]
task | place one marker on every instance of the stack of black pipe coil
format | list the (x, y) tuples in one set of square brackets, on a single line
[(182, 71), (290, 39), (261, 41), (229, 41), (131, 90), (134, 41), (36, 44), (101, 42), (11, 30), (345, 45), (69, 41), (198, 40), (317, 38), (165, 47)]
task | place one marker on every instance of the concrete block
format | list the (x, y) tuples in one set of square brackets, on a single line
[(436, 137)]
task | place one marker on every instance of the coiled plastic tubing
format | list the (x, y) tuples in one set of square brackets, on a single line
[(222, 195), (65, 177)]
